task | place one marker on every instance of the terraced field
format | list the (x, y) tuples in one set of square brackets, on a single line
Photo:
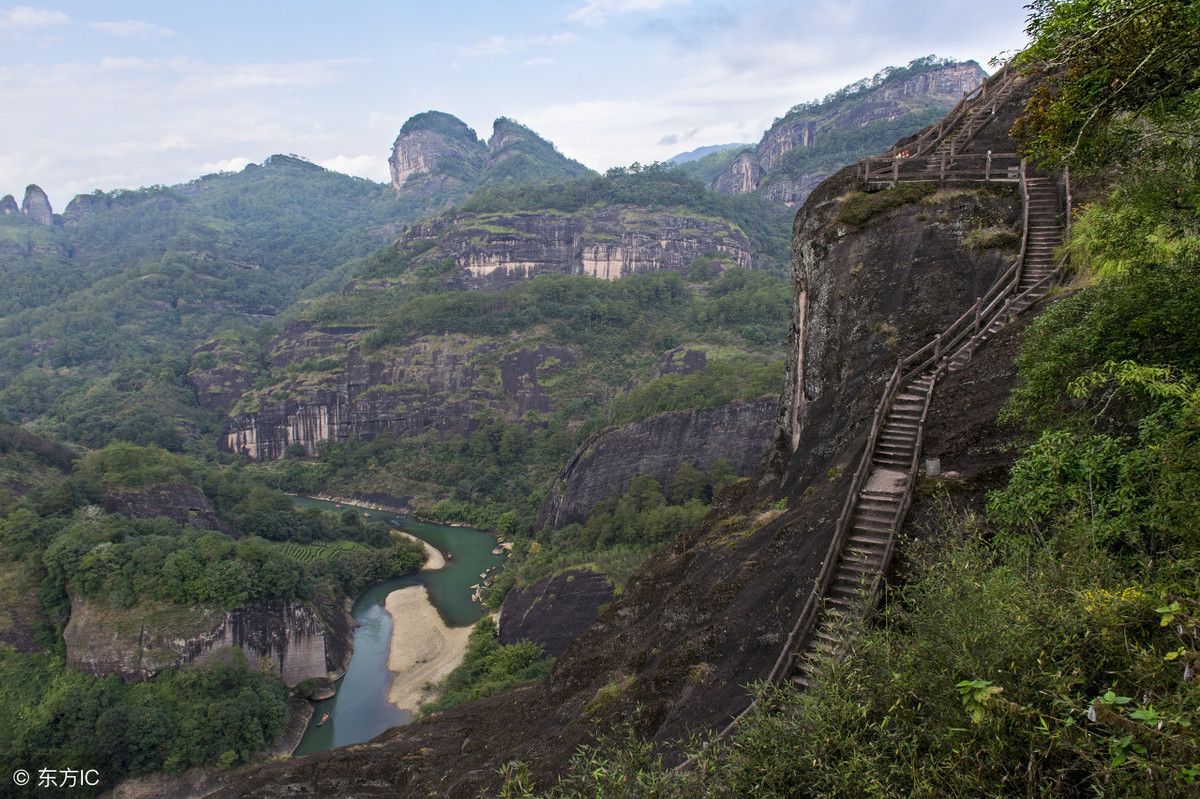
[(311, 553)]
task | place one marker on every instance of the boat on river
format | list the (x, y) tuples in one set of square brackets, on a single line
[(324, 719)]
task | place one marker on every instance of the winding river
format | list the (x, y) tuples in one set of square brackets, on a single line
[(360, 710)]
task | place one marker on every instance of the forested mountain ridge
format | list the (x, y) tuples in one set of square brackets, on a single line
[(813, 140)]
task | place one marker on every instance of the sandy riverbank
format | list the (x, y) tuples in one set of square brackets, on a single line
[(434, 559), (424, 649)]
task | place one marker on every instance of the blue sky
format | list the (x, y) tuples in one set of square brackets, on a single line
[(124, 94)]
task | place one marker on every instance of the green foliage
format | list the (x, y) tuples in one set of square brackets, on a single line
[(1119, 75), (620, 532), (221, 713), (719, 383), (860, 207), (489, 668)]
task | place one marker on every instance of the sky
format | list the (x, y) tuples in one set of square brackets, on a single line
[(106, 95)]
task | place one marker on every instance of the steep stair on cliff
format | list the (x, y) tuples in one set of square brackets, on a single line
[(978, 114), (881, 491)]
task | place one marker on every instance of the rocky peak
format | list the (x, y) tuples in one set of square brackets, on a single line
[(505, 131), (8, 205), (83, 204), (435, 143), (36, 205)]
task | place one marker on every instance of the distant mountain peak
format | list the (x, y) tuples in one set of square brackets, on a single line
[(440, 148)]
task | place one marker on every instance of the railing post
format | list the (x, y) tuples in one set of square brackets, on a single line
[(942, 171), (987, 174), (978, 308), (937, 348), (895, 171)]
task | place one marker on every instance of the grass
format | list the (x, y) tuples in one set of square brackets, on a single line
[(860, 207)]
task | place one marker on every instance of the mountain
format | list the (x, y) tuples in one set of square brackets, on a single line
[(136, 277), (813, 140), (437, 152), (701, 152)]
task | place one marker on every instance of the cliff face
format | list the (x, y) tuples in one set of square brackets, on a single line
[(433, 383), (492, 250), (658, 446), (138, 643), (553, 611), (36, 205), (869, 103), (435, 149), (8, 205)]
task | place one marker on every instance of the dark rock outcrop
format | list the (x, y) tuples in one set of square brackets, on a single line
[(658, 446), (8, 205), (84, 204), (178, 501), (139, 642), (219, 376), (554, 611), (874, 100), (36, 205)]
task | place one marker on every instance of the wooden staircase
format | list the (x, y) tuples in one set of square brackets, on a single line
[(861, 551), (973, 119)]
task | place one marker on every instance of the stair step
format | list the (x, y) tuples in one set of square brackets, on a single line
[(867, 538)]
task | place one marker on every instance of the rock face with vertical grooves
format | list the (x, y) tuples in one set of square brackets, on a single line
[(493, 250), (291, 636), (8, 205), (36, 205)]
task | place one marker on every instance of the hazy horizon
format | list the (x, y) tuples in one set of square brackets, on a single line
[(136, 94)]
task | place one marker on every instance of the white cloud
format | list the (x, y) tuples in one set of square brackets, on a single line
[(235, 164), (373, 167), (500, 44), (27, 17), (227, 77), (132, 28), (539, 61), (594, 12)]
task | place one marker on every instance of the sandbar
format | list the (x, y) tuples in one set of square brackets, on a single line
[(424, 649)]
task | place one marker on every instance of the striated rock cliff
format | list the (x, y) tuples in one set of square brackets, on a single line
[(491, 250), (139, 642), (658, 446), (910, 93), (439, 150), (83, 204), (432, 383), (8, 205), (554, 611), (36, 205)]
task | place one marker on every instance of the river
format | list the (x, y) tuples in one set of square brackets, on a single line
[(360, 710)]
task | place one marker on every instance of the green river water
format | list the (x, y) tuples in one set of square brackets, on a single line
[(360, 711)]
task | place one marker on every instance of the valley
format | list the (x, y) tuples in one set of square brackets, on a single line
[(860, 459)]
